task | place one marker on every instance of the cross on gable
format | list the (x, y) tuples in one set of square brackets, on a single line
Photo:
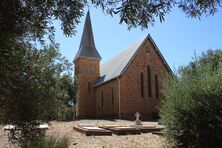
[(137, 116)]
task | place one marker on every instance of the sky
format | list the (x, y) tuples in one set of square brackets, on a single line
[(178, 37)]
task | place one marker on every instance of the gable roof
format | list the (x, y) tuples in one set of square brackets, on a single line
[(117, 65), (87, 46)]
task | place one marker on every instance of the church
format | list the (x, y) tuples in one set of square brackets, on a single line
[(128, 83)]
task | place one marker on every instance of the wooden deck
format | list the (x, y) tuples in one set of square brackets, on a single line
[(92, 131), (160, 133), (125, 130), (151, 129)]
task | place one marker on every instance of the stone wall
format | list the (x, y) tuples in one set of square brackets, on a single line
[(107, 100), (131, 99), (87, 72)]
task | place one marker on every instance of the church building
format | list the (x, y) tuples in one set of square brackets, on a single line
[(128, 83)]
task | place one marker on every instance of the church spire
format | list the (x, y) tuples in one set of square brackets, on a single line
[(87, 46)]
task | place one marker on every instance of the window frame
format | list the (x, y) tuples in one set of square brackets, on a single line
[(149, 81), (141, 84), (102, 99), (156, 86)]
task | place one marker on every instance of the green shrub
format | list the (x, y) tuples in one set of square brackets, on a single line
[(51, 142), (192, 109)]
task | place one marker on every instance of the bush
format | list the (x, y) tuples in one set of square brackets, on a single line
[(66, 114), (51, 142), (26, 133), (35, 85), (192, 109)]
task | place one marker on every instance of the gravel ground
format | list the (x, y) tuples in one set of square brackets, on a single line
[(78, 140)]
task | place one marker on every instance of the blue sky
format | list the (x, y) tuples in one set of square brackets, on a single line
[(178, 37)]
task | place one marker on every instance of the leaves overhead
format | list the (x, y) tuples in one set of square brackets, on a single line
[(136, 12), (144, 13), (34, 19)]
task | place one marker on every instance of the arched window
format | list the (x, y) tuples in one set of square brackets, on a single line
[(112, 96), (102, 100), (142, 84), (157, 86), (149, 79)]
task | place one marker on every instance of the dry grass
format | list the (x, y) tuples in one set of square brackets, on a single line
[(78, 140)]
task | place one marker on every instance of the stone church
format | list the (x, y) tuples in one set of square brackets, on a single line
[(128, 83)]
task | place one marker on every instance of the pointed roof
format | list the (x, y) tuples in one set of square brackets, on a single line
[(87, 46), (117, 65)]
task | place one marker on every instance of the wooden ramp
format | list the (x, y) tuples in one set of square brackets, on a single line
[(92, 131)]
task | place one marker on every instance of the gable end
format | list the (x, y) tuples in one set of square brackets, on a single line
[(156, 49)]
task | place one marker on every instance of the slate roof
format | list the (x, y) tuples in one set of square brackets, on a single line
[(117, 65), (87, 46)]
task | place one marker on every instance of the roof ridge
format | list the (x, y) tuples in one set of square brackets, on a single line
[(125, 49), (144, 40), (116, 65)]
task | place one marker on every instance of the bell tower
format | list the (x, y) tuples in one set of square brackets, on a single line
[(87, 71)]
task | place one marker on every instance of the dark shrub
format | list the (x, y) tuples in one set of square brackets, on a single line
[(192, 109)]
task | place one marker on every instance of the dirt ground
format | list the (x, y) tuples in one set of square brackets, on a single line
[(78, 140)]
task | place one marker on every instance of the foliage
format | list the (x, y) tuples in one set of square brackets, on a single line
[(34, 19), (32, 88), (144, 12), (192, 110), (26, 133), (66, 111), (31, 84), (51, 142)]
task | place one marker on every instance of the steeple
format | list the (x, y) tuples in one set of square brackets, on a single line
[(87, 46)]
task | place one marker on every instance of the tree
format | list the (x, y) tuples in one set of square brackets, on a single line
[(144, 12), (34, 19), (66, 111), (32, 89), (192, 109)]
